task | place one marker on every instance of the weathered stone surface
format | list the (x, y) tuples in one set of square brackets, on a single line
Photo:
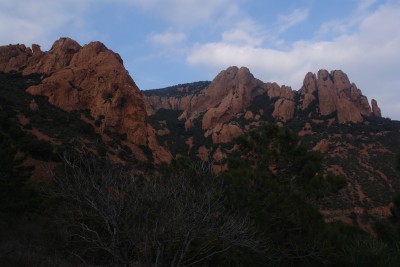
[(155, 103), (95, 79), (327, 93), (13, 58), (230, 93), (284, 109), (90, 77), (274, 90), (233, 91), (224, 133), (308, 89), (56, 59), (347, 111), (335, 94), (376, 111), (36, 49), (322, 146)]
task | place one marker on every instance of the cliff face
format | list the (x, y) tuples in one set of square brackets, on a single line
[(233, 91), (92, 78), (334, 93)]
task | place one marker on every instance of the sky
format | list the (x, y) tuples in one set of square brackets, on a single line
[(168, 42)]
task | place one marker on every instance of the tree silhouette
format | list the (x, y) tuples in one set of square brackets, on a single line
[(177, 219)]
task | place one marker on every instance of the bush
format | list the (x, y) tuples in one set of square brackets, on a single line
[(115, 217)]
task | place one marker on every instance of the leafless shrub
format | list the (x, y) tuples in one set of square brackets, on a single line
[(173, 220)]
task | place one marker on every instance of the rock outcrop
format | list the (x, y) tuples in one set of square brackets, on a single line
[(284, 107), (229, 94), (232, 92), (376, 111), (335, 94), (308, 90), (90, 77)]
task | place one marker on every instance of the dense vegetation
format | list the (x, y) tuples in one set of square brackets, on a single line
[(178, 90), (261, 212)]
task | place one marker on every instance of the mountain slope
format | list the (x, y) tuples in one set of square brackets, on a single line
[(73, 92), (90, 78), (329, 113)]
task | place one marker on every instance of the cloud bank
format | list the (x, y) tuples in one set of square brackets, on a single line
[(370, 55)]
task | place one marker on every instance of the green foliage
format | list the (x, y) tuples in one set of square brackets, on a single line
[(274, 180), (264, 104), (177, 132), (323, 185), (277, 151), (178, 90), (366, 252)]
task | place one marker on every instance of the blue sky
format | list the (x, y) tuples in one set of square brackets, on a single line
[(166, 42)]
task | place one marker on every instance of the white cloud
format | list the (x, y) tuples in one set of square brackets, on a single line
[(369, 56), (365, 5), (26, 21), (297, 16), (167, 38), (245, 32), (184, 13), (349, 24)]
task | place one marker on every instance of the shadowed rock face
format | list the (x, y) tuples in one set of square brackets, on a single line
[(89, 77)]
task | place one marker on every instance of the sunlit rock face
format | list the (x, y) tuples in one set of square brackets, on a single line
[(335, 93), (233, 91), (92, 78)]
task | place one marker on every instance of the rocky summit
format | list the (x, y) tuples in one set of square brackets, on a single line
[(234, 89), (91, 78), (198, 120)]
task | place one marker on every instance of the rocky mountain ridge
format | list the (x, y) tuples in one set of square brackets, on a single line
[(91, 78), (328, 112), (233, 90), (201, 120)]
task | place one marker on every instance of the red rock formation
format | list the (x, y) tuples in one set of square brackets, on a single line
[(284, 107), (232, 92), (89, 77), (224, 133), (228, 96), (13, 58), (308, 89), (376, 111), (327, 93), (335, 94)]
